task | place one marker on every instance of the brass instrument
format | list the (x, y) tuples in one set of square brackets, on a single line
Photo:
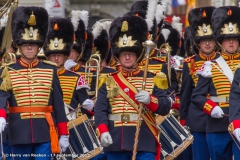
[(5, 7), (165, 53), (8, 58), (94, 62)]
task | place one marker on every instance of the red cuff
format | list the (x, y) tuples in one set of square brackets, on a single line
[(236, 124), (153, 105), (3, 113), (208, 106), (176, 103), (90, 112), (62, 128), (101, 129), (182, 122)]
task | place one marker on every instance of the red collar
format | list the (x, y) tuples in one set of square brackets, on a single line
[(28, 65), (207, 57), (130, 74), (228, 56), (61, 71)]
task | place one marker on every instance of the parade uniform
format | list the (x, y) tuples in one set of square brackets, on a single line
[(33, 92), (116, 106), (207, 95), (74, 89), (41, 98), (213, 88), (190, 114)]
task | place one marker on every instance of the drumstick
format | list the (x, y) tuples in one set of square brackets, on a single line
[(79, 107), (171, 94), (225, 115)]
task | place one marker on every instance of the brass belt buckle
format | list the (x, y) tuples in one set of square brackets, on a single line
[(125, 118)]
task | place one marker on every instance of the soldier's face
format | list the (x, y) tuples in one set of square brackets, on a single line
[(29, 51), (127, 59), (230, 45), (207, 46), (57, 58)]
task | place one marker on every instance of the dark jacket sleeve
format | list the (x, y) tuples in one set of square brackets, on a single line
[(101, 110), (234, 107), (186, 92), (199, 96), (164, 102), (174, 82), (58, 103)]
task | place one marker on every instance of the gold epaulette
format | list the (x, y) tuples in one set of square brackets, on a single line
[(49, 62), (102, 79), (187, 60), (160, 80), (6, 84)]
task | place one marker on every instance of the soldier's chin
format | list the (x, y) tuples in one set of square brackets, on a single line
[(29, 55)]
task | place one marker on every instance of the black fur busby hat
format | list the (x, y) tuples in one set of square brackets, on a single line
[(173, 38), (88, 47), (139, 5), (77, 19), (101, 37), (29, 25), (200, 23), (127, 34), (226, 23), (79, 37), (189, 47), (161, 40), (60, 37), (142, 14), (101, 44)]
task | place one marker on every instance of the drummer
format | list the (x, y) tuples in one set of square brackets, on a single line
[(57, 49)]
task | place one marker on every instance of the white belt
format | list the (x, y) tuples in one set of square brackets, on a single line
[(123, 117), (219, 99)]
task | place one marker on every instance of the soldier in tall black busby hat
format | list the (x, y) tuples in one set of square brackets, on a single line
[(79, 39), (57, 49), (119, 97), (34, 106), (102, 43), (200, 35), (211, 94)]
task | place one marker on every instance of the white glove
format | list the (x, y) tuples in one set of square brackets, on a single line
[(217, 112), (106, 139), (2, 124), (236, 134), (88, 104), (63, 142), (143, 97), (69, 64)]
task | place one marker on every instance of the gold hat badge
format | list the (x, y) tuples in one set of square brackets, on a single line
[(56, 44), (230, 29), (204, 30), (31, 34)]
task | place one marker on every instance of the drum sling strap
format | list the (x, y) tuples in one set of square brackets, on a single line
[(47, 110), (148, 118)]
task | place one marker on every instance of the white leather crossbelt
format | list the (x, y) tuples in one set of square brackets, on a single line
[(219, 99), (123, 117)]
